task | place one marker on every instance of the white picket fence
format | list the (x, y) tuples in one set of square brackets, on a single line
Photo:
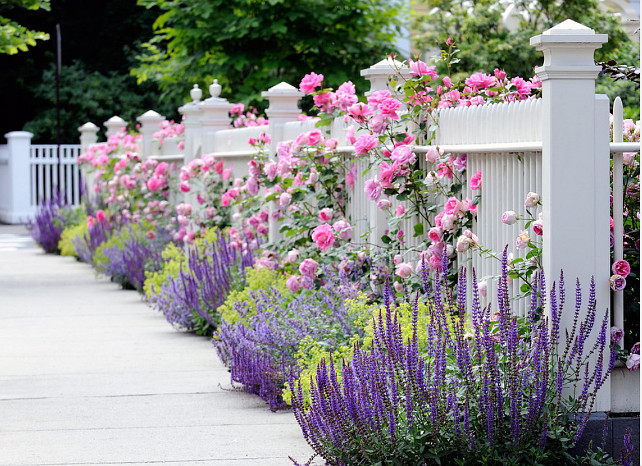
[(557, 146)]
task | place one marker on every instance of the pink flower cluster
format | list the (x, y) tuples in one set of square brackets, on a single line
[(247, 119), (169, 129)]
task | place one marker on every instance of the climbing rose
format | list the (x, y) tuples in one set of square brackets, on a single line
[(522, 240), (404, 270), (532, 199), (509, 217), (620, 267), (325, 215), (475, 181), (633, 362), (364, 143), (308, 267), (618, 282), (616, 335), (293, 283), (323, 237), (538, 227), (310, 82)]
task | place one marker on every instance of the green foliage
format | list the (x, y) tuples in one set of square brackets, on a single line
[(15, 37), (89, 95), (250, 45), (256, 279), (70, 232), (477, 28), (173, 258)]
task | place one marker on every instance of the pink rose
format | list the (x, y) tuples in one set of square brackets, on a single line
[(372, 189), (532, 199), (435, 234), (343, 229), (475, 181), (633, 362), (482, 286), (161, 168), (310, 82), (314, 137), (620, 267), (262, 229), (403, 155), (285, 199), (389, 107), (617, 282), (523, 240), (154, 184), (538, 227), (432, 155), (509, 217), (452, 206), (387, 172), (323, 237), (365, 143), (480, 81), (359, 112), (400, 210), (293, 283), (252, 186), (100, 216), (325, 215), (384, 204), (616, 335), (308, 267), (404, 270), (419, 68)]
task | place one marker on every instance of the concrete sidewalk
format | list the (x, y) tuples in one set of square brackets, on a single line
[(90, 375)]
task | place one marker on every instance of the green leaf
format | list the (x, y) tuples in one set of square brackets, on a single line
[(419, 229), (385, 239)]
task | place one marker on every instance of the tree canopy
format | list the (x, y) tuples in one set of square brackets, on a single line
[(15, 37), (250, 45)]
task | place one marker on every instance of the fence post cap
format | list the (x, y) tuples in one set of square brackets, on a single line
[(386, 66), (115, 121), (150, 116), (19, 135), (567, 32), (283, 89), (195, 93), (88, 127)]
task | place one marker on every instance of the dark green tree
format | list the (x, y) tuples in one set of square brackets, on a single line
[(250, 45)]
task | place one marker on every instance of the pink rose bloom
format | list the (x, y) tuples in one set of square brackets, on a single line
[(633, 362), (323, 237), (419, 68), (616, 335), (435, 234), (389, 107), (523, 240), (325, 215), (400, 210), (384, 204), (448, 222), (447, 82), (403, 155), (523, 87), (481, 80), (226, 173), (310, 82), (262, 229), (532, 199), (323, 101), (365, 143), (475, 181), (635, 349), (432, 155), (184, 186), (252, 186), (509, 217), (285, 199), (452, 206), (293, 283), (372, 189), (482, 286), (359, 111), (154, 184), (100, 216), (620, 267), (308, 267), (343, 229), (351, 175), (270, 170), (387, 172), (314, 137), (377, 97), (161, 168), (404, 270), (538, 227), (617, 282)]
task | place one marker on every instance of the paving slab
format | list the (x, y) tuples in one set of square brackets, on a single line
[(90, 375)]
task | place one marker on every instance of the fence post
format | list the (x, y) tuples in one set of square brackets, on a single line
[(379, 75), (19, 202), (283, 107), (215, 116), (88, 135), (192, 125), (114, 125), (149, 123), (575, 143)]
